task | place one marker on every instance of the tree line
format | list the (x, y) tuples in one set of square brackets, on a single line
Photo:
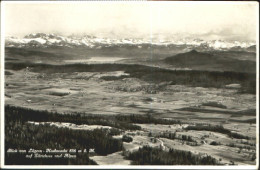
[(217, 128), (156, 156)]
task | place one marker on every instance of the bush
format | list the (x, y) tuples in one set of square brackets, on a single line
[(127, 139), (214, 143)]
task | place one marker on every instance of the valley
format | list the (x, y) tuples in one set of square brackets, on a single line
[(160, 106)]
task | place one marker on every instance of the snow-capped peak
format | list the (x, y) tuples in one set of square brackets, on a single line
[(47, 40)]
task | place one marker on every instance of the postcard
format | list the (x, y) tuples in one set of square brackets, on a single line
[(135, 84)]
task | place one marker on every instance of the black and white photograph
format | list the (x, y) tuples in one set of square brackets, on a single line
[(136, 84)]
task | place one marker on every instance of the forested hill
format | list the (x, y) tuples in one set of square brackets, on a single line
[(213, 61)]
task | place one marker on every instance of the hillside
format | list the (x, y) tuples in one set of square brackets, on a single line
[(210, 61)]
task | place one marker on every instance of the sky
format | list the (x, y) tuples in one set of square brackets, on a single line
[(227, 21)]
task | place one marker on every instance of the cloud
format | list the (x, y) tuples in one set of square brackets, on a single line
[(139, 19), (229, 33)]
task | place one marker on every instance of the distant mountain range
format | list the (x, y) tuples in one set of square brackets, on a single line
[(213, 61), (51, 40)]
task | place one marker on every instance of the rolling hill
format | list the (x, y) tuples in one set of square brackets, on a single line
[(210, 61)]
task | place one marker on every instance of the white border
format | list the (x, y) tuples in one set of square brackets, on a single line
[(257, 84), (120, 166), (2, 87)]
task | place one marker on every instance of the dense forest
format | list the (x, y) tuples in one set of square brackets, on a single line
[(124, 122), (156, 156), (19, 134), (26, 136)]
